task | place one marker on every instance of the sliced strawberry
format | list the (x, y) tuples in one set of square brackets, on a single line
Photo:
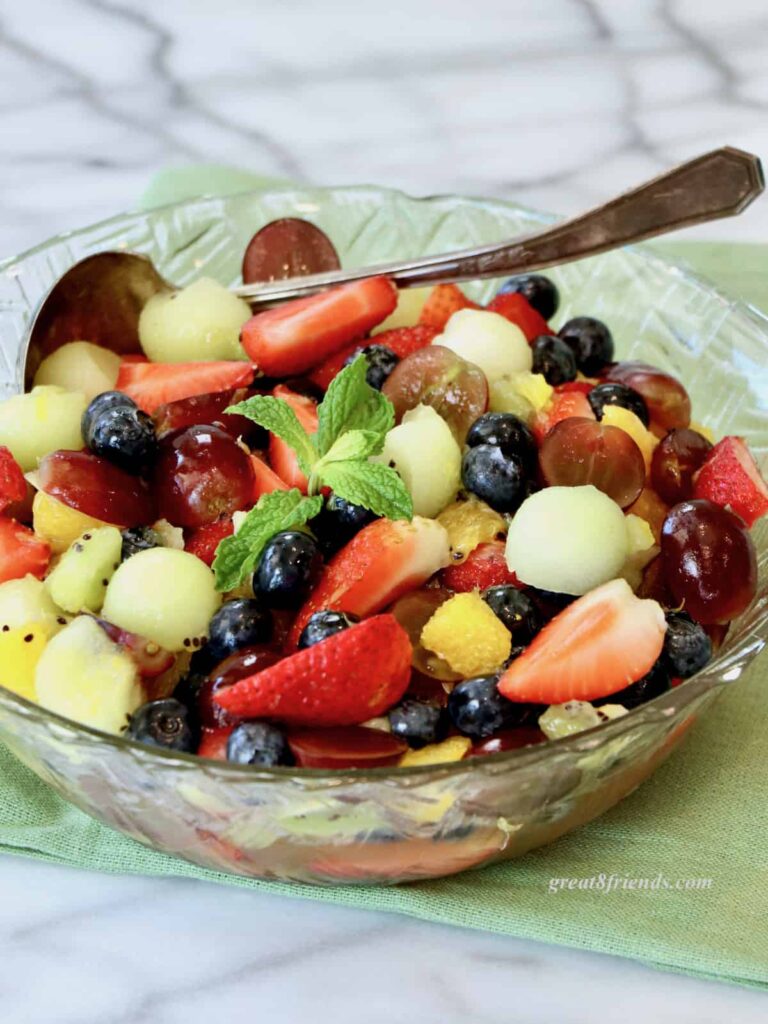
[(265, 479), (298, 335), (204, 540), (519, 311), (213, 743), (484, 567), (595, 647), (151, 385), (344, 680), (580, 387), (560, 407), (21, 552), (135, 357), (402, 341), (381, 563), (444, 300), (730, 477), (281, 455), (13, 486)]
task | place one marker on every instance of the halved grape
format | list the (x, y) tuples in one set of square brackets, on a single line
[(246, 662), (97, 488), (413, 612), (676, 460), (436, 376), (579, 451), (348, 746), (667, 400), (200, 474), (709, 561), (288, 247), (209, 408)]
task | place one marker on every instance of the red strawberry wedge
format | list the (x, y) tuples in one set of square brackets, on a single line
[(402, 341), (282, 456), (21, 552), (204, 540), (381, 563), (265, 479), (484, 567), (297, 335), (601, 643), (518, 310), (730, 477), (346, 679), (442, 302), (13, 486), (151, 385), (561, 407)]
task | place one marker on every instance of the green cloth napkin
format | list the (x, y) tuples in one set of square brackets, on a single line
[(701, 816)]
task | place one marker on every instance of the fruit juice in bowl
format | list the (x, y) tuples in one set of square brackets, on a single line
[(296, 594)]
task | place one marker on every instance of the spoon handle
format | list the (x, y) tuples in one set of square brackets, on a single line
[(717, 184)]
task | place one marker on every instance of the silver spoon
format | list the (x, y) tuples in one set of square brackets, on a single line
[(100, 297)]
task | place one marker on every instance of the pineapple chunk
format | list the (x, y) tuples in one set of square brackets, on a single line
[(704, 431), (455, 748), (79, 581), (466, 633), (626, 420), (561, 720), (642, 549), (469, 524), (20, 651), (84, 676), (57, 523)]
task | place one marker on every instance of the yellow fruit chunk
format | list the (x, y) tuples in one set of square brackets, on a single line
[(519, 390), (20, 650), (642, 549), (465, 633), (59, 524), (626, 420), (407, 311), (704, 431), (80, 366), (455, 748), (469, 524)]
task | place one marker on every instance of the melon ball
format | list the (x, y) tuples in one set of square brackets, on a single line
[(197, 323), (488, 340), (165, 595), (567, 539), (80, 366), (410, 302), (424, 452), (41, 421)]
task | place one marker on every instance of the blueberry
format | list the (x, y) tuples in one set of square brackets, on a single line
[(499, 479), (258, 743), (243, 622), (289, 567), (653, 684), (618, 394), (591, 342), (381, 362), (202, 661), (163, 723), (99, 404), (478, 710), (323, 624), (687, 647), (136, 539), (419, 723), (187, 690), (516, 610), (540, 292), (338, 522), (553, 358), (507, 432), (125, 435), (549, 602)]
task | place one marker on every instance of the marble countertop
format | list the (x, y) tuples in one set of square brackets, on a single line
[(556, 103)]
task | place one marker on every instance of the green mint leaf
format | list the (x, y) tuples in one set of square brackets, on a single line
[(354, 444), (236, 556), (278, 417), (370, 484), (351, 403)]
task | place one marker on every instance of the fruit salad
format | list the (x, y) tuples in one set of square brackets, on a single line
[(364, 528)]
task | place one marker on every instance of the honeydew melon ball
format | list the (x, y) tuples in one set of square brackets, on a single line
[(567, 539), (80, 366), (424, 452), (410, 302), (27, 601), (163, 594), (196, 323), (488, 340), (46, 418)]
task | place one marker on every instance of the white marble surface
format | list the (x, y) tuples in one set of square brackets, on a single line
[(554, 102)]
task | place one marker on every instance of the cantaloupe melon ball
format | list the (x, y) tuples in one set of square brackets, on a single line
[(199, 322), (568, 539), (80, 366), (488, 340)]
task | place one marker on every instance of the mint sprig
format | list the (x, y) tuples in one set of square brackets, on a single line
[(237, 556)]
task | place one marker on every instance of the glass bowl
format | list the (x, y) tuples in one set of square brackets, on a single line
[(390, 825)]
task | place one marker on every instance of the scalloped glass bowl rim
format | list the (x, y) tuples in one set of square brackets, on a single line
[(706, 679)]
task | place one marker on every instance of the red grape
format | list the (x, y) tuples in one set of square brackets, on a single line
[(510, 739), (151, 659), (243, 663), (288, 247), (348, 746), (203, 409), (96, 487), (579, 451), (201, 474), (654, 586), (668, 403), (709, 561), (676, 460), (436, 376)]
